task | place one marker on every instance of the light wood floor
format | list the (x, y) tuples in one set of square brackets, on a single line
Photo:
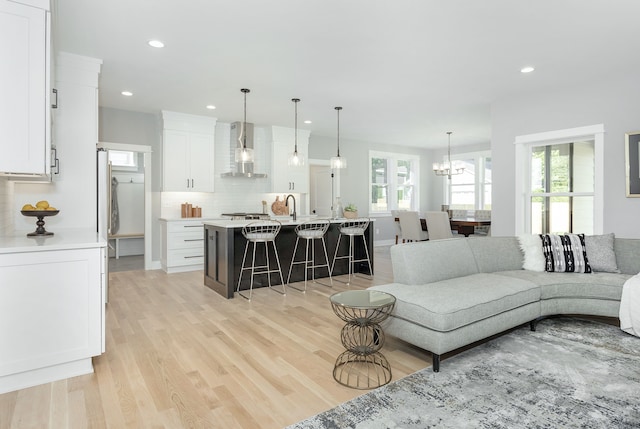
[(179, 355)]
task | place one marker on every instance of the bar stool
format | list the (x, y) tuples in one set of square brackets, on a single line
[(352, 229), (261, 232), (310, 231)]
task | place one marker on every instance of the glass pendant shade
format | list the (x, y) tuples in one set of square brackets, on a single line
[(296, 159), (244, 153), (337, 162)]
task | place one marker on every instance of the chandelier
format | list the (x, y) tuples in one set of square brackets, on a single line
[(447, 168), (337, 162)]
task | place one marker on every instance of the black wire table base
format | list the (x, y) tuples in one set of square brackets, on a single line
[(362, 371)]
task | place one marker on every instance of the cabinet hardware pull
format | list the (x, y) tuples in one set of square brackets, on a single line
[(195, 239), (55, 104), (192, 226), (187, 183), (191, 257), (192, 183)]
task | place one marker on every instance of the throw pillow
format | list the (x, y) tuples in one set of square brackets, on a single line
[(565, 253), (601, 255), (533, 256)]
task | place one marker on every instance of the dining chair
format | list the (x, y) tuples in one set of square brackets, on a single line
[(394, 215), (411, 226), (482, 229), (438, 225)]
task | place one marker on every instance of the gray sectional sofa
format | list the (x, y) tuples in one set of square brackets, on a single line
[(451, 293)]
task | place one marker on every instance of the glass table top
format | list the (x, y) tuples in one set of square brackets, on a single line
[(362, 299)]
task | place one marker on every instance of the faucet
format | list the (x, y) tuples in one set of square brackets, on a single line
[(286, 204)]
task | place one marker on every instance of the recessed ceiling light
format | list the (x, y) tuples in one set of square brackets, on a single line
[(127, 93), (211, 107), (307, 122), (527, 69), (156, 43)]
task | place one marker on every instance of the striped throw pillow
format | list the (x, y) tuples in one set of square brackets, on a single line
[(565, 253)]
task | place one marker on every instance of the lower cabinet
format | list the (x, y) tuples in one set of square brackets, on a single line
[(51, 314), (182, 245)]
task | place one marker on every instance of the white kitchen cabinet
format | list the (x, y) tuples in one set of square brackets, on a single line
[(182, 245), (188, 153), (51, 311), (25, 137), (285, 178)]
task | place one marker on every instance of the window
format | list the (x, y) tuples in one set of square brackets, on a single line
[(470, 190), (559, 181), (123, 158), (562, 187), (393, 182)]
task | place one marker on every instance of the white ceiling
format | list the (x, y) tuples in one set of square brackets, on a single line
[(404, 71)]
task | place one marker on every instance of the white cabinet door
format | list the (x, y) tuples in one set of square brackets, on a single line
[(176, 161), (201, 162), (285, 178), (24, 109), (188, 152), (51, 306)]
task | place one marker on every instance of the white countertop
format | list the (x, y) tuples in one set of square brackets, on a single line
[(63, 239), (182, 219), (226, 223)]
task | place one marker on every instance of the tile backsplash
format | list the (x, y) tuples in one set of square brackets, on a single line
[(6, 206)]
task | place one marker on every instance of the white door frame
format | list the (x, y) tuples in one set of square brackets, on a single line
[(146, 150)]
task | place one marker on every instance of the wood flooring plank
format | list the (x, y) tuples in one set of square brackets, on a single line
[(179, 356)]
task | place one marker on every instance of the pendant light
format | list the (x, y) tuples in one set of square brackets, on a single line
[(296, 159), (243, 153), (336, 161), (447, 168)]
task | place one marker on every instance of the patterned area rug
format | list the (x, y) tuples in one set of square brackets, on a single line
[(570, 373)]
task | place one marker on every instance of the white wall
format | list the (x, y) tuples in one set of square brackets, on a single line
[(612, 102)]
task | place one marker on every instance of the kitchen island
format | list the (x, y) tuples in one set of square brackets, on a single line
[(225, 247)]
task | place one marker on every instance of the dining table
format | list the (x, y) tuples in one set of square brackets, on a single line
[(464, 225)]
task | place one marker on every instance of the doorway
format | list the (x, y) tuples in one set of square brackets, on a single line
[(320, 188), (130, 206)]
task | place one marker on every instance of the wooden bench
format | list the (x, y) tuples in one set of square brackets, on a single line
[(118, 237)]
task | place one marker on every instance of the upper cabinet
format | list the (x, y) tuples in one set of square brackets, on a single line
[(285, 178), (25, 137), (188, 152)]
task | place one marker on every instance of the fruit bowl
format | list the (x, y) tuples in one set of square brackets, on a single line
[(40, 214)]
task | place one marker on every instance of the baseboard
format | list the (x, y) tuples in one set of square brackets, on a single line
[(155, 265), (35, 377)]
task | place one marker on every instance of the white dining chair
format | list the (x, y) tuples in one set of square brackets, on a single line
[(411, 226), (438, 225), (482, 229)]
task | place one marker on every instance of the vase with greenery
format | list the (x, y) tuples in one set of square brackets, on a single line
[(351, 211)]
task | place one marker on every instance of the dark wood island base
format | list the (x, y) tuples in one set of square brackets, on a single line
[(225, 247)]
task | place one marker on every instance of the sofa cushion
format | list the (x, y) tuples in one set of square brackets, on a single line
[(627, 255), (600, 252), (450, 304), (431, 261), (497, 253), (570, 285), (565, 253)]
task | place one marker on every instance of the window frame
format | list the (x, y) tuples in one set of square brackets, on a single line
[(524, 144), (392, 186)]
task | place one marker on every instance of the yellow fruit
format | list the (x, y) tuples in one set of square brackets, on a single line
[(28, 207), (42, 205), (51, 208)]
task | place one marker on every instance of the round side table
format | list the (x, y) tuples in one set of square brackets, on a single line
[(362, 366)]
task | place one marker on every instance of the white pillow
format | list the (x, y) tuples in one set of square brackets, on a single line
[(531, 246)]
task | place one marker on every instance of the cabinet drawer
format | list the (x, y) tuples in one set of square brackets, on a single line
[(186, 240), (184, 226), (179, 257)]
